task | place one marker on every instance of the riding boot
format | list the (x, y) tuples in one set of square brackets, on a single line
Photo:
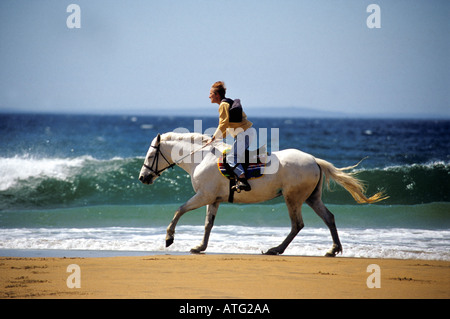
[(241, 183)]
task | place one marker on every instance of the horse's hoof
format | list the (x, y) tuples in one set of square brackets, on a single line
[(271, 252), (334, 251), (195, 251), (169, 242)]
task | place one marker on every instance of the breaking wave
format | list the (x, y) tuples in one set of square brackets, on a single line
[(84, 181)]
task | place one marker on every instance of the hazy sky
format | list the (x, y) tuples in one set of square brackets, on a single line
[(143, 55)]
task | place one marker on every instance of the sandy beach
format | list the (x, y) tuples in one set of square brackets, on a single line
[(222, 276)]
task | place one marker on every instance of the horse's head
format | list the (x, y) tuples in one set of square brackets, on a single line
[(155, 162), (169, 150)]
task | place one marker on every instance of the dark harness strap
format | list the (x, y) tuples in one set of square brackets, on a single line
[(156, 161), (232, 190)]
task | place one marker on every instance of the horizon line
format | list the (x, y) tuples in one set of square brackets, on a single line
[(211, 112)]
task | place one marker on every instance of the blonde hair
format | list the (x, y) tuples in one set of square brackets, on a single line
[(220, 88)]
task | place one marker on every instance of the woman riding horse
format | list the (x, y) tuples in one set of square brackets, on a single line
[(233, 120)]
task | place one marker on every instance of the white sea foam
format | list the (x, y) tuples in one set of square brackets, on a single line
[(370, 243), (15, 169), (405, 167), (427, 165), (23, 168)]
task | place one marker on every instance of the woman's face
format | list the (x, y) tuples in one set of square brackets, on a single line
[(214, 96)]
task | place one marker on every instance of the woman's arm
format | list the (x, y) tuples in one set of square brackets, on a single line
[(224, 118)]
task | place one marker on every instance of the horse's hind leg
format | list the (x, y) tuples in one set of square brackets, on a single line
[(295, 213), (317, 205)]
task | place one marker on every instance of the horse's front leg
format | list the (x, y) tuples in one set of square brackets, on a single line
[(196, 201), (211, 211)]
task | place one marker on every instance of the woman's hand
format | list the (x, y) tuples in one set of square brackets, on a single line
[(210, 141)]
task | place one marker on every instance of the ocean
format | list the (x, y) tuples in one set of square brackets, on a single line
[(69, 187)]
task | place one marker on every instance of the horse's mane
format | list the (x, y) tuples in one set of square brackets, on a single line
[(191, 137), (174, 136)]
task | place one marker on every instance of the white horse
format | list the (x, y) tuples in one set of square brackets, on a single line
[(298, 179)]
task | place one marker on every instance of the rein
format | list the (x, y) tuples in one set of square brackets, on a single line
[(156, 160)]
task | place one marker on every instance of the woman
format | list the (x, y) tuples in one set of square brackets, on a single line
[(233, 120)]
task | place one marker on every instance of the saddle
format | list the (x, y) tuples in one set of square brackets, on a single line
[(255, 161)]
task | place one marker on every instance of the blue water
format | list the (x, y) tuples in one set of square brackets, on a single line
[(70, 183)]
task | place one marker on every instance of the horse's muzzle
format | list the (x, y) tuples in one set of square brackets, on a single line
[(148, 179)]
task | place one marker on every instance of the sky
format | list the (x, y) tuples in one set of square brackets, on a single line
[(142, 56)]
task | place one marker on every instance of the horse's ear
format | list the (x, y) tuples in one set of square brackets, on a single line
[(158, 139)]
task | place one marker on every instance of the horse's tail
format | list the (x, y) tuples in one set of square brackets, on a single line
[(347, 180)]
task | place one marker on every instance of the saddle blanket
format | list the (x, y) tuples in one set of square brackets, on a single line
[(254, 169)]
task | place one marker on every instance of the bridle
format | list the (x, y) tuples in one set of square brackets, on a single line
[(153, 168), (156, 161)]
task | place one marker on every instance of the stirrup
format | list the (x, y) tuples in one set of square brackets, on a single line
[(242, 185)]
